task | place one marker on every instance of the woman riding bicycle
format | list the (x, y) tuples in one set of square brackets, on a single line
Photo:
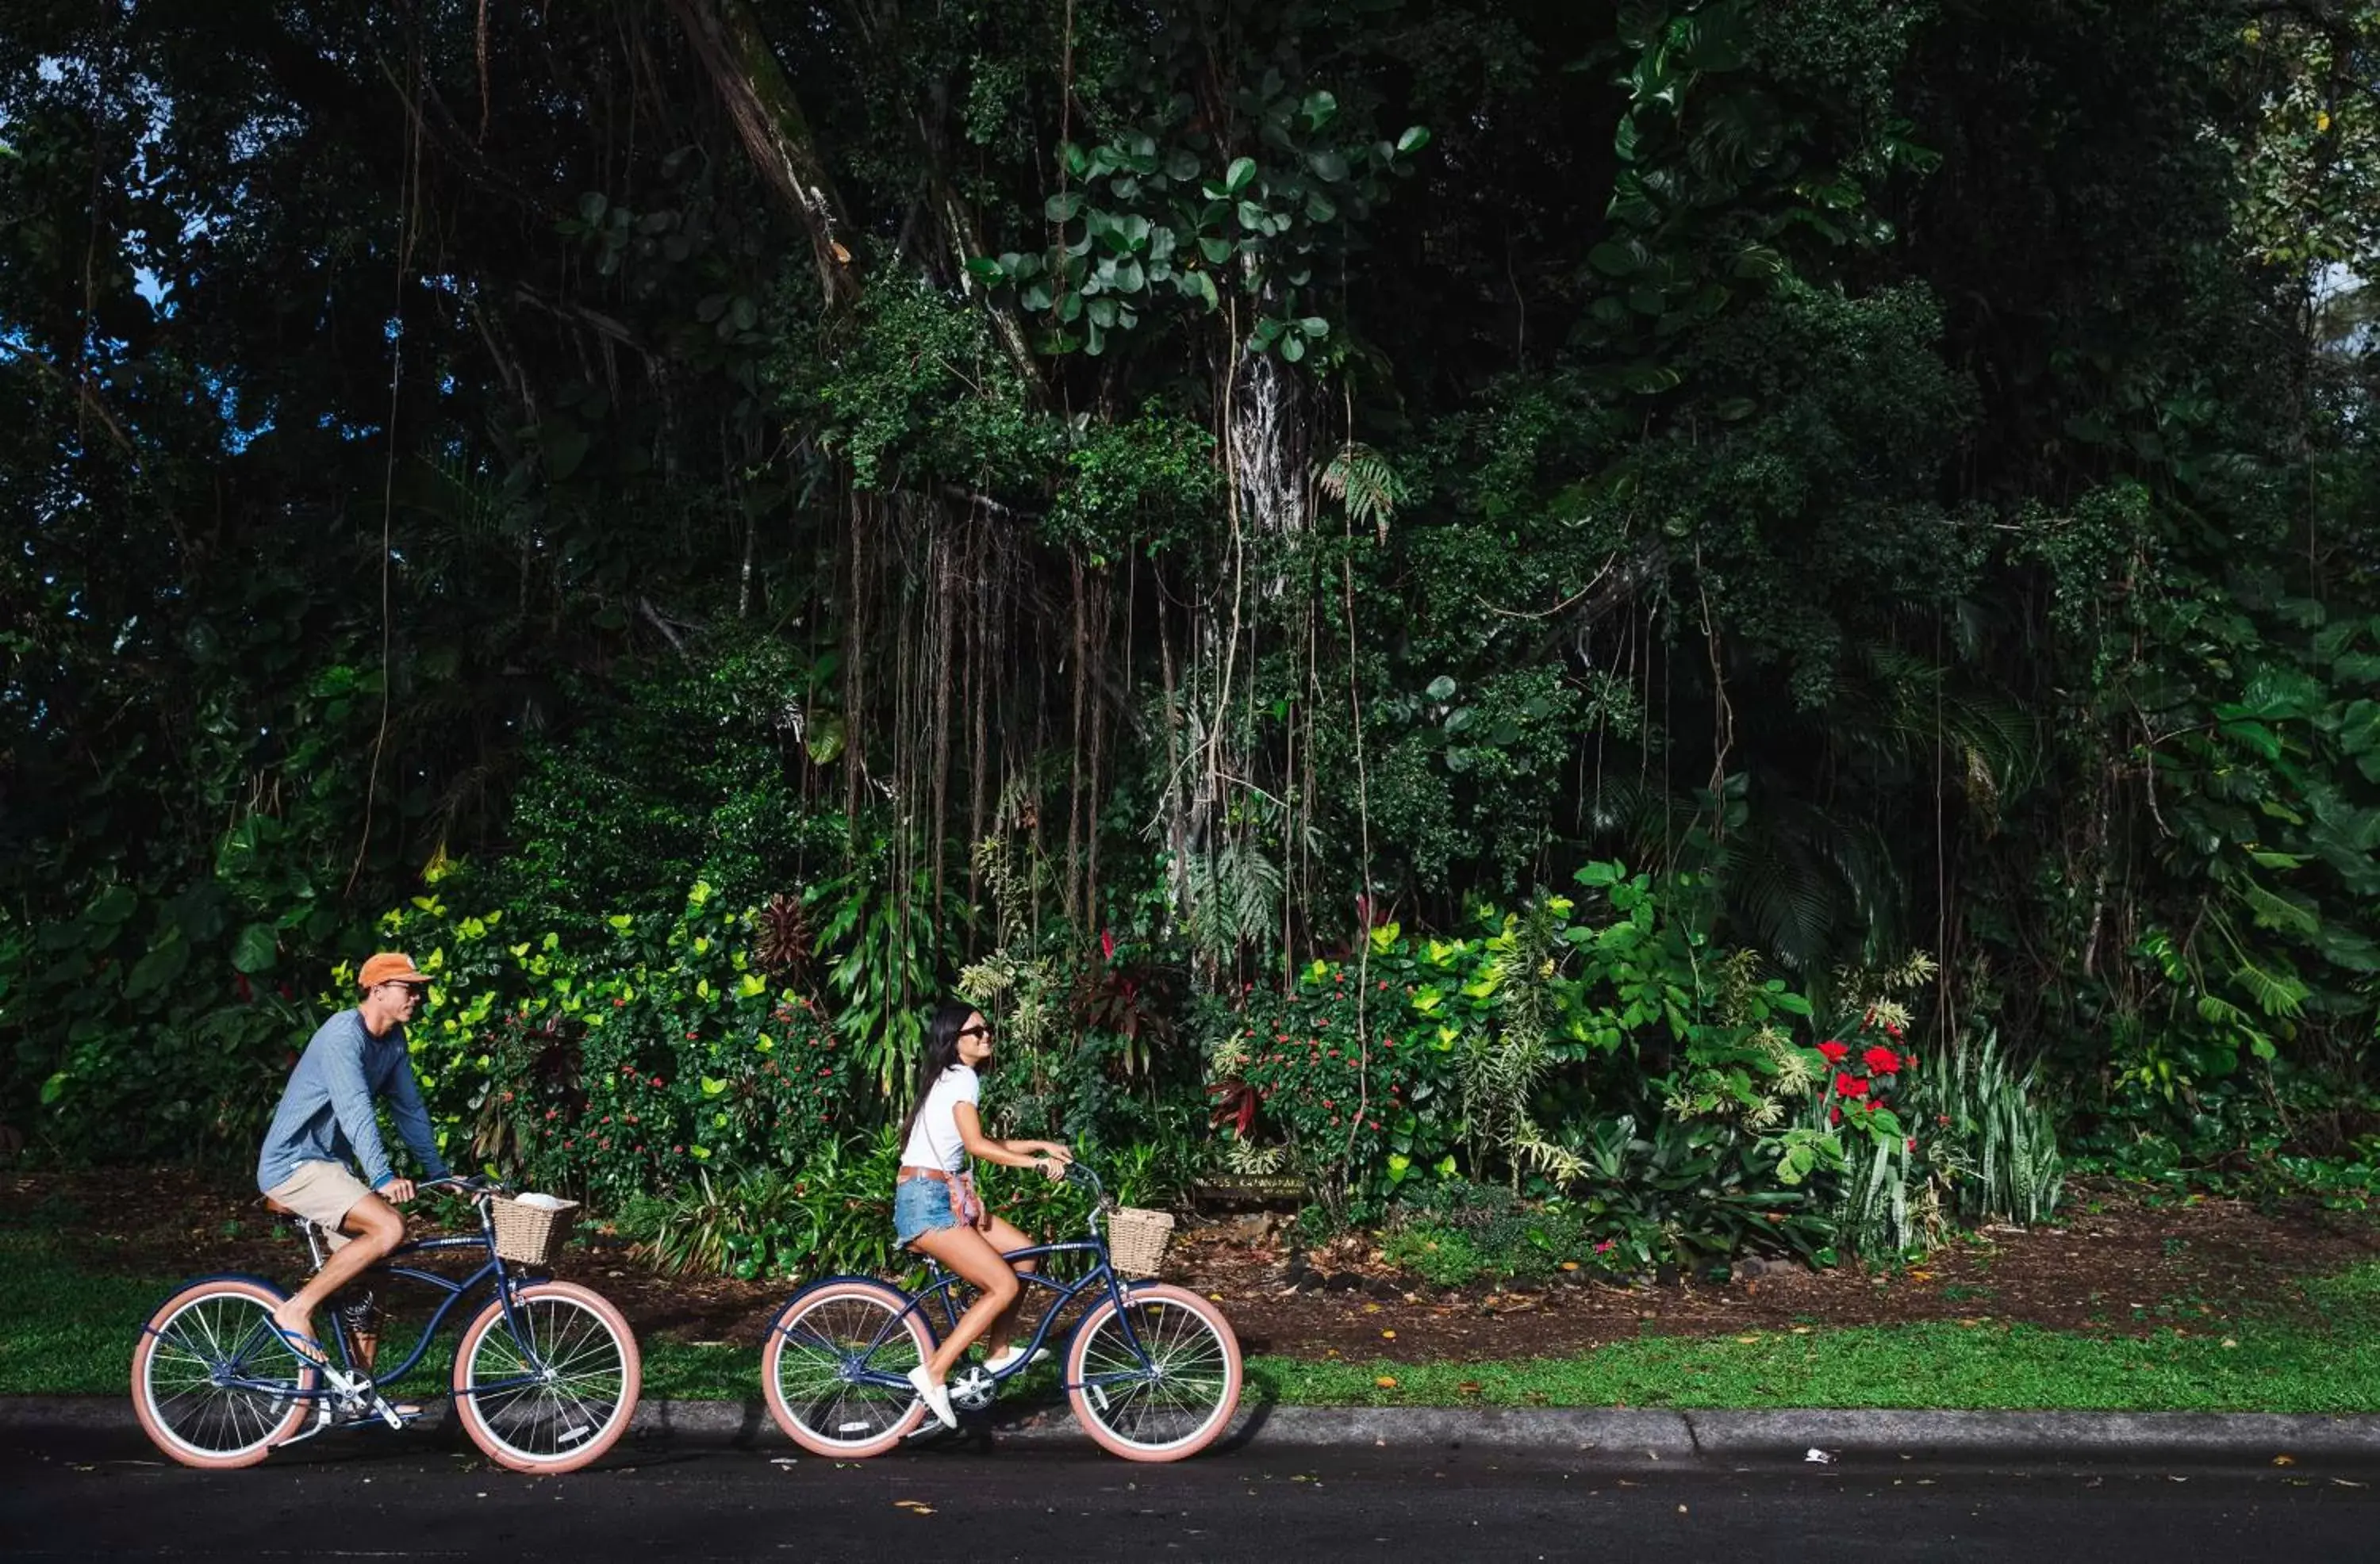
[(936, 1210)]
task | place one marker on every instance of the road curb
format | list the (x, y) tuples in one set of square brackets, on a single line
[(1607, 1433)]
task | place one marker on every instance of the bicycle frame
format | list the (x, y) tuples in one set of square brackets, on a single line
[(369, 1379), (1102, 1274)]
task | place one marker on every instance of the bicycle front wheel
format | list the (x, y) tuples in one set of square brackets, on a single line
[(552, 1389), (213, 1384), (1157, 1380), (816, 1367)]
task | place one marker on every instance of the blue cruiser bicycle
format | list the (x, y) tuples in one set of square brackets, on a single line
[(1152, 1371), (544, 1379)]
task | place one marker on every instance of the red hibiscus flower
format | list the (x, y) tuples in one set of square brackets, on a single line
[(1851, 1086), (1881, 1060), (1836, 1052)]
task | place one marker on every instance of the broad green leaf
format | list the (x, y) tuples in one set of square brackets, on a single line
[(255, 949)]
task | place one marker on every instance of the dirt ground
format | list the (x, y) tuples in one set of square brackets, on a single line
[(2117, 1261)]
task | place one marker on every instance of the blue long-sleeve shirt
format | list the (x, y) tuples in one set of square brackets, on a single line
[(326, 1111)]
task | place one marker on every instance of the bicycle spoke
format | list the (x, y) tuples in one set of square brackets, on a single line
[(831, 1340), (1162, 1391), (562, 1379), (216, 1335)]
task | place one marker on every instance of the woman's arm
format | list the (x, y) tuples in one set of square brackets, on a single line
[(1047, 1156)]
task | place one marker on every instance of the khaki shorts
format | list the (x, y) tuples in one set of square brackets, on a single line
[(322, 1192)]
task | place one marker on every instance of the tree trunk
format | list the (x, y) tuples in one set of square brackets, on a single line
[(760, 100)]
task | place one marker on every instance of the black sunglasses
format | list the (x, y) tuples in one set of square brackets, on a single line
[(982, 1031)]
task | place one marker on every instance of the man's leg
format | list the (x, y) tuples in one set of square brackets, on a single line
[(376, 1229)]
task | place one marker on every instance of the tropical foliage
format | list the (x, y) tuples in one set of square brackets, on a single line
[(1623, 522)]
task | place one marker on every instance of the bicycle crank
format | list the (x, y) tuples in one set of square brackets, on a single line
[(973, 1388)]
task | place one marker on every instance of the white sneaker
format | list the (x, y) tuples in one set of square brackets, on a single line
[(936, 1396), (999, 1361)]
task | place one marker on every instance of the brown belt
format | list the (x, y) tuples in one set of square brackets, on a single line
[(966, 1204)]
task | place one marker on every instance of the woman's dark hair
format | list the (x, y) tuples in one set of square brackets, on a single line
[(942, 1051)]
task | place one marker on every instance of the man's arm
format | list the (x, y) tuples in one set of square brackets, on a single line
[(351, 1102), (413, 1119)]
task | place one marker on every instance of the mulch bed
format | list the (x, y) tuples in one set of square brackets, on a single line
[(2119, 1262)]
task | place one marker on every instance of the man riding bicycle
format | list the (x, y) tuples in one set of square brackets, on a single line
[(326, 1118)]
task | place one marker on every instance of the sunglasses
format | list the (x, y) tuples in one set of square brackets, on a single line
[(983, 1031)]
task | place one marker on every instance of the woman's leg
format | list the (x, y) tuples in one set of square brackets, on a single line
[(968, 1252), (1004, 1237)]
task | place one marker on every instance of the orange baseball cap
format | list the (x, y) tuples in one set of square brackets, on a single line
[(389, 966)]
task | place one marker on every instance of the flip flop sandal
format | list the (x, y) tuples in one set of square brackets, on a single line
[(302, 1344)]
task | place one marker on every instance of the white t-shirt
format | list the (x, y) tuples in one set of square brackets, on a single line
[(934, 1139)]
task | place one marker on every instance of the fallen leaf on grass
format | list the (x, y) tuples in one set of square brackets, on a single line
[(2285, 1460), (1386, 1382), (2229, 1342), (1747, 1340), (1570, 1265), (1388, 1335), (1470, 1388)]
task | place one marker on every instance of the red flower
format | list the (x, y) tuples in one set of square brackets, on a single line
[(1881, 1060), (1871, 1105), (1911, 1145), (1834, 1050), (1851, 1086), (1834, 1115)]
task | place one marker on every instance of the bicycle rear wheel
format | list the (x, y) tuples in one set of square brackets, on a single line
[(818, 1348), (558, 1391), (213, 1384), (1162, 1390)]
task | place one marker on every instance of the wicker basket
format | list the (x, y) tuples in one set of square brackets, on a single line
[(528, 1235), (1136, 1239)]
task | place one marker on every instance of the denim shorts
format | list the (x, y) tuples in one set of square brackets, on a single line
[(920, 1206)]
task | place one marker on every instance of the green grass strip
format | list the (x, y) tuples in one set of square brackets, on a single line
[(70, 1330)]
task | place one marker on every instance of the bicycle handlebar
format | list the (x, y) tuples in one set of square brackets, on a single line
[(1076, 1174), (463, 1183)]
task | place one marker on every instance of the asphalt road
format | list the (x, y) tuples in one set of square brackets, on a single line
[(90, 1494)]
